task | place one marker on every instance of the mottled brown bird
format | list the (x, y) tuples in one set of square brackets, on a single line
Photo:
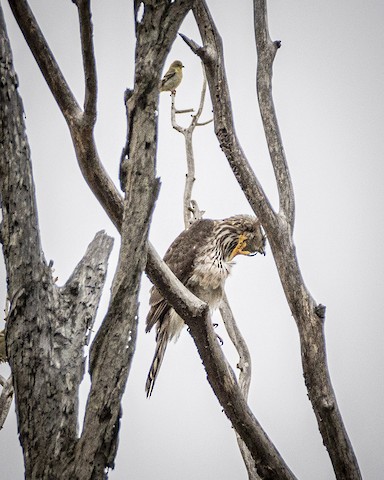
[(201, 258), (172, 78)]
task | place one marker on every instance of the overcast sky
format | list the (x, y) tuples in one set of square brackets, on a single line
[(328, 91)]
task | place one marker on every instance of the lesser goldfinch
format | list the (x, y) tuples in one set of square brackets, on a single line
[(172, 78)]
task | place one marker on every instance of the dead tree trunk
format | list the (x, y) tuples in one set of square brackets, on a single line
[(47, 326)]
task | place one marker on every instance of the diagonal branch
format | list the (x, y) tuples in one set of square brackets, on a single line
[(221, 377), (213, 58), (44, 58), (266, 51), (82, 136), (191, 213), (309, 317), (245, 367)]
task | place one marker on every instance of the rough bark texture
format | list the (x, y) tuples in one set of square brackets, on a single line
[(308, 315), (47, 326), (113, 348), (269, 463), (245, 367)]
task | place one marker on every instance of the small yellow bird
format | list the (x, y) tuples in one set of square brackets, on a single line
[(172, 78)]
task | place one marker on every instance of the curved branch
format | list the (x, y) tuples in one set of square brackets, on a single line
[(309, 317), (213, 58), (82, 135), (266, 51), (44, 58)]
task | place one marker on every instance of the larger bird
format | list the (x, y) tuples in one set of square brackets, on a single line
[(201, 258)]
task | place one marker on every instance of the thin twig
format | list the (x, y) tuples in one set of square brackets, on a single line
[(201, 124), (212, 56), (188, 133), (188, 110)]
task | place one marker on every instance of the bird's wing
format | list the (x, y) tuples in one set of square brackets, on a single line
[(180, 258), (167, 77)]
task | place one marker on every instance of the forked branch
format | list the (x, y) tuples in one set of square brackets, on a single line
[(308, 315), (187, 132), (192, 213)]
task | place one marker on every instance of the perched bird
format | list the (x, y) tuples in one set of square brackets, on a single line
[(172, 78), (201, 258)]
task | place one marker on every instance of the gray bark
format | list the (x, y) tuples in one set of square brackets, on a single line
[(112, 350), (47, 326), (309, 315), (44, 320)]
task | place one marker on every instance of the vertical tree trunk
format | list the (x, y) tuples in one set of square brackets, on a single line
[(47, 326)]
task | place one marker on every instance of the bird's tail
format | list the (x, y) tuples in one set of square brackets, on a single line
[(161, 345)]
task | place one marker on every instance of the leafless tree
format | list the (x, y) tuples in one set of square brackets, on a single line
[(48, 326)]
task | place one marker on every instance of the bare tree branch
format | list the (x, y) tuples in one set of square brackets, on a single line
[(20, 223), (113, 348), (92, 265), (266, 51), (308, 315), (192, 213), (5, 399), (46, 326), (188, 134), (245, 367), (220, 375), (82, 135), (212, 56), (44, 58), (89, 62)]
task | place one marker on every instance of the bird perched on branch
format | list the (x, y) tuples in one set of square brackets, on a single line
[(172, 78), (201, 258)]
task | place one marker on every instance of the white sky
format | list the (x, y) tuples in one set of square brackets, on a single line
[(328, 91)]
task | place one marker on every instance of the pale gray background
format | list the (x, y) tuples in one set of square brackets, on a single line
[(328, 90)]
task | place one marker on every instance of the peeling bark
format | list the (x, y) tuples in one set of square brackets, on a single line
[(47, 326)]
